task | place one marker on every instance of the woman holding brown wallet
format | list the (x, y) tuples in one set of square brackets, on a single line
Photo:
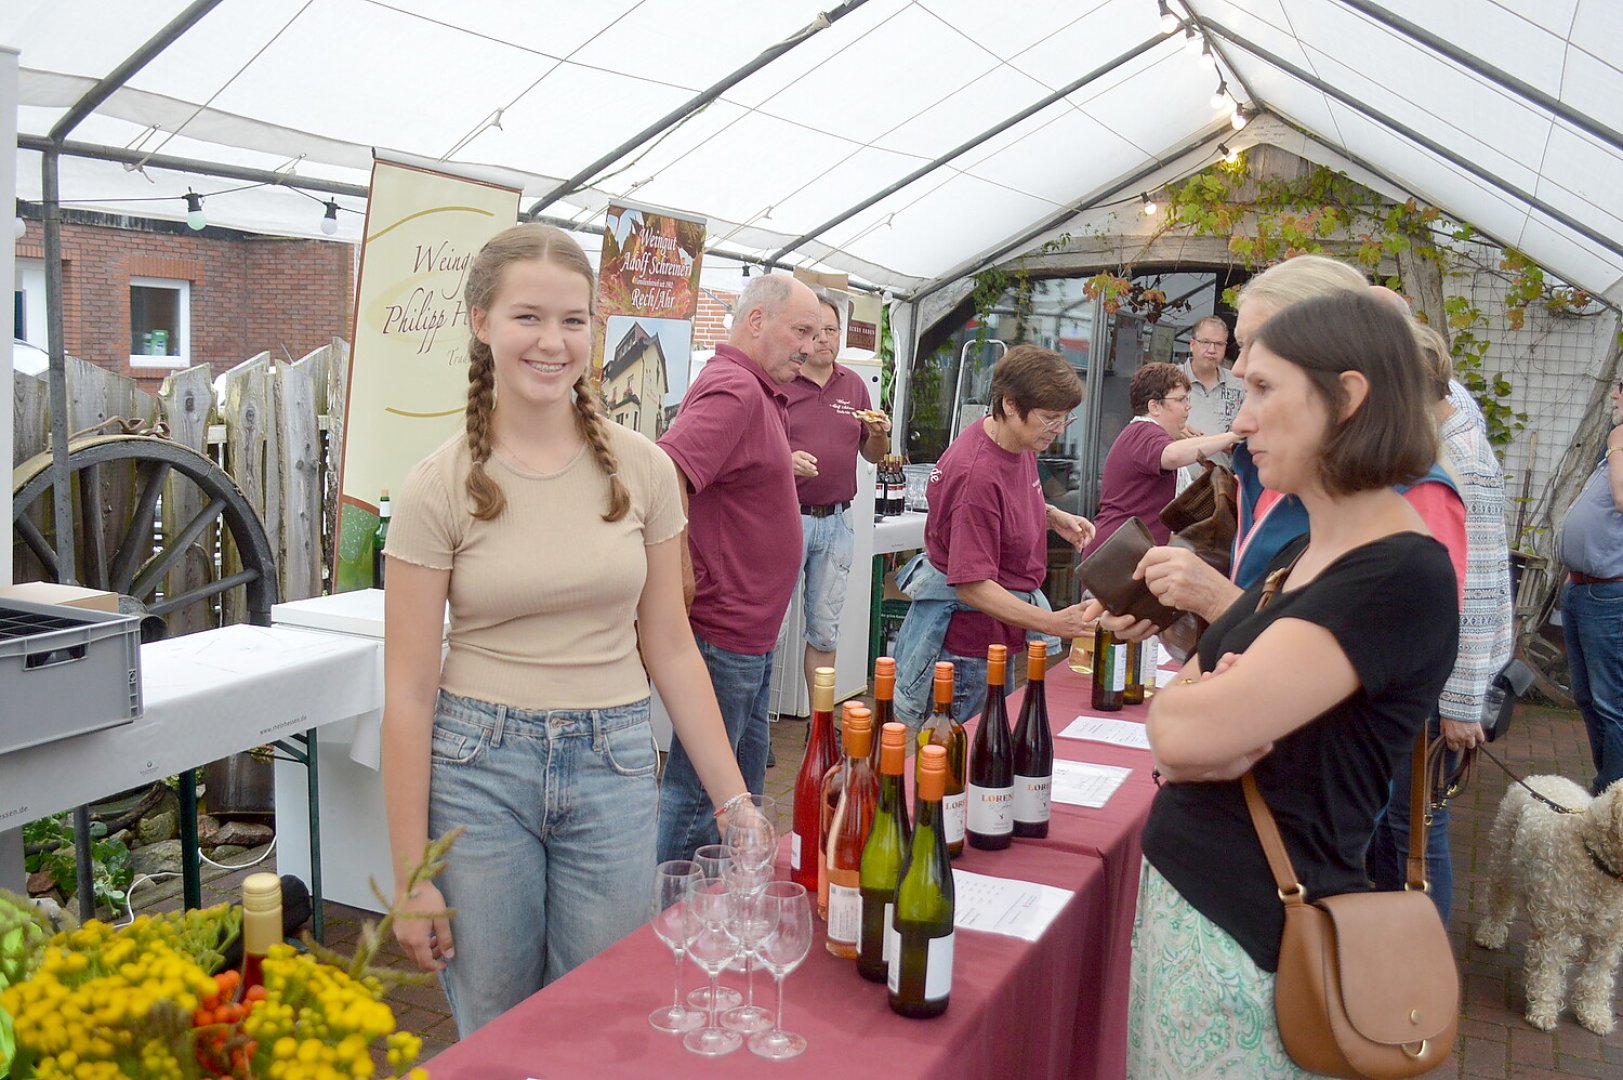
[(1313, 692)]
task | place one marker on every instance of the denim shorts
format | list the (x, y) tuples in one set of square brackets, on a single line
[(556, 860), (825, 560)]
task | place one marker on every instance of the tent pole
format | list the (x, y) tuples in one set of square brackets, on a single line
[(693, 104), (964, 147), (1503, 79), (1527, 198), (192, 165)]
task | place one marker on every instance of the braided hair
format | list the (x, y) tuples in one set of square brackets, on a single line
[(545, 244)]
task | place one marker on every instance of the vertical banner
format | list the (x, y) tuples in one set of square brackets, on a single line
[(647, 294), (408, 367)]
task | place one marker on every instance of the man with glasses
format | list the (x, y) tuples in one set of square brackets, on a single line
[(1214, 392), (829, 423), (1140, 473)]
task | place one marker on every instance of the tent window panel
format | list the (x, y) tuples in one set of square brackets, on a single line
[(160, 316)]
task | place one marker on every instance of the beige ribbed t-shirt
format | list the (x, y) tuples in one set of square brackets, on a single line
[(543, 598)]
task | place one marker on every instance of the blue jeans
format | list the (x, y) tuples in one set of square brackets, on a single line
[(968, 691), (743, 684), (1592, 621), (825, 560), (1385, 861), (556, 860)]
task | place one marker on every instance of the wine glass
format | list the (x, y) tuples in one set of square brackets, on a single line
[(751, 832), (672, 881), (781, 950), (711, 943), (712, 861), (748, 912)]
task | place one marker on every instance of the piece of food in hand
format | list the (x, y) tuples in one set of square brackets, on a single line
[(868, 416)]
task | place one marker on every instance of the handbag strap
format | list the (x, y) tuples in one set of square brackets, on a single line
[(1262, 819)]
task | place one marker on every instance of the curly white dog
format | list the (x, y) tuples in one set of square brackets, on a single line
[(1567, 870)]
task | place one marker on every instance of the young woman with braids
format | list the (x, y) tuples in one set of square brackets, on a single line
[(556, 536)]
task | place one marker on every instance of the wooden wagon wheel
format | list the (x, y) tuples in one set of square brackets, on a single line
[(117, 549)]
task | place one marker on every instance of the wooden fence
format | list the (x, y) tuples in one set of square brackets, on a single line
[(270, 434)]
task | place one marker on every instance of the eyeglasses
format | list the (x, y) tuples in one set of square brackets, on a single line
[(1059, 424), (1211, 344), (1176, 399)]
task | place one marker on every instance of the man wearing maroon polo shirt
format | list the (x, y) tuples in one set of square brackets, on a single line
[(731, 449), (826, 433)]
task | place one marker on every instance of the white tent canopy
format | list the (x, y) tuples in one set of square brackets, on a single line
[(1504, 113)]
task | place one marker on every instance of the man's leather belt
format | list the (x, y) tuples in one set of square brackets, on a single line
[(1577, 578), (826, 510)]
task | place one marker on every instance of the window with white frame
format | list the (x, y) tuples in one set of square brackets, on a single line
[(160, 322)]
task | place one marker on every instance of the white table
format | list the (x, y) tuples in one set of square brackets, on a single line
[(206, 696)]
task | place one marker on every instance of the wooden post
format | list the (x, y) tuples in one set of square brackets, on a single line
[(187, 400)]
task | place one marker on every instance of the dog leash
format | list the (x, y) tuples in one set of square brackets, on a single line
[(1594, 857)]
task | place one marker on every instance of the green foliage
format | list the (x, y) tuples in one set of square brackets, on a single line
[(51, 843), (1491, 389)]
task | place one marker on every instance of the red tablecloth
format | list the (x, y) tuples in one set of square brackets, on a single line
[(1056, 1008)]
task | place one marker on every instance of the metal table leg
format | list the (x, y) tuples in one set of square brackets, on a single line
[(302, 749), (191, 866)]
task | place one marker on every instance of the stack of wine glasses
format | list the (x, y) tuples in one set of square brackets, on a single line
[(722, 908)]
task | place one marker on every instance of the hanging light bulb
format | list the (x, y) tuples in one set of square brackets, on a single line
[(1207, 58), (1169, 21), (1149, 205), (194, 210), (1230, 154), (329, 223), (1240, 117), (1220, 97), (1191, 41)]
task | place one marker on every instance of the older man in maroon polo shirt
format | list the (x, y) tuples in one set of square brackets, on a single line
[(731, 447), (829, 424)]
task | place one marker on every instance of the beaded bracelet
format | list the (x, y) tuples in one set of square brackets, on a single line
[(742, 796)]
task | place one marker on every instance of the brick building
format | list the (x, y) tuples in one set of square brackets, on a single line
[(145, 297), (710, 320)]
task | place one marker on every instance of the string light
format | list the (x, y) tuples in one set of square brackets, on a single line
[(1207, 57), (1220, 97), (1149, 205), (329, 222), (1169, 21), (1230, 154), (1191, 41), (194, 210), (1241, 117)]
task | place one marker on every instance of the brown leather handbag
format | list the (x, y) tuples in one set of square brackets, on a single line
[(1367, 985)]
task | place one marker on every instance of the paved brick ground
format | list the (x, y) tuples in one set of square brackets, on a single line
[(1495, 1042)]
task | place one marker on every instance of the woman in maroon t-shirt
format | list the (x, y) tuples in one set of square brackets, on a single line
[(1141, 470)]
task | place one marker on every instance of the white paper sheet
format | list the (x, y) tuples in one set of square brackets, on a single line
[(1115, 732), (1165, 676), (1084, 783), (993, 905)]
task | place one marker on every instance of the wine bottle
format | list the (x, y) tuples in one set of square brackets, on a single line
[(898, 487), (1033, 749), (820, 758), (1132, 691), (882, 855), (828, 800), (884, 703), (848, 834), (921, 945), (881, 490), (261, 926), (1149, 660), (1109, 670), (988, 823), (380, 537), (943, 729)]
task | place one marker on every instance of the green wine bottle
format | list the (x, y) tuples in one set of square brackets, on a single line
[(882, 856), (921, 927)]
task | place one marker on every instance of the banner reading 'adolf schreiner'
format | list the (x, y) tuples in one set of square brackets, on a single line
[(408, 372), (647, 294)]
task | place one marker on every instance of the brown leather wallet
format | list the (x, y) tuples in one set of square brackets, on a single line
[(1108, 574)]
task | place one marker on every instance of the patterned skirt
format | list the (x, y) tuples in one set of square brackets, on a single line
[(1200, 1006)]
